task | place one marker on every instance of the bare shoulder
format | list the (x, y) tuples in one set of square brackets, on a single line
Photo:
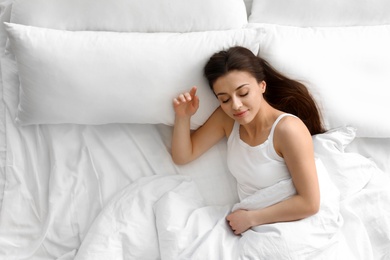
[(291, 133), (291, 125)]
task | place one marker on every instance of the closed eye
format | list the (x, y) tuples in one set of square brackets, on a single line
[(225, 101), (243, 95)]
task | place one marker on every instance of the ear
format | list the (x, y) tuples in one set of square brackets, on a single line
[(262, 86)]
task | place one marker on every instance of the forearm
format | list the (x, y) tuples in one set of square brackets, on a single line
[(181, 141), (294, 208)]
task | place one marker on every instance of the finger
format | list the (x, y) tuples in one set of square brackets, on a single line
[(176, 102), (187, 96), (182, 98), (193, 91)]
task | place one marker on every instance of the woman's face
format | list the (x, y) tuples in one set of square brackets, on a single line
[(240, 95)]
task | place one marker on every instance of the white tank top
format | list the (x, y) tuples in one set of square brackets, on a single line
[(255, 167)]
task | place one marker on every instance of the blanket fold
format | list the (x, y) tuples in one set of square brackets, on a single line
[(165, 217)]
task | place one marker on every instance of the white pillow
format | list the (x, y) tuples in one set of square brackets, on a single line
[(90, 77), (320, 12), (346, 69), (137, 16)]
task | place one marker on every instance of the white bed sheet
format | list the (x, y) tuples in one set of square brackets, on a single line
[(4, 16)]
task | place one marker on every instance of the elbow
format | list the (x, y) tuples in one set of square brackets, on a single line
[(313, 208), (309, 206), (179, 160)]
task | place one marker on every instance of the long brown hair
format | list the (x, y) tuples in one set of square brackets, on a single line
[(282, 93)]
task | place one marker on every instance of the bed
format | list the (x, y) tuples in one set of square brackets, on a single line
[(86, 125)]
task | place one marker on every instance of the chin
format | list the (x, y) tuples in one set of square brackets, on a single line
[(244, 121)]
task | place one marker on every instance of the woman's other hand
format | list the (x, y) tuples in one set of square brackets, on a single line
[(239, 221)]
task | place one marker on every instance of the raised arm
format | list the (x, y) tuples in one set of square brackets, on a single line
[(186, 146)]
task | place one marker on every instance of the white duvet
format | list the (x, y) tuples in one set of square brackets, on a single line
[(165, 217)]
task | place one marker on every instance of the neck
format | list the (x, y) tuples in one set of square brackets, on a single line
[(262, 123)]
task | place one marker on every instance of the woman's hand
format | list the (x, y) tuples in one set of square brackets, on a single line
[(186, 104), (239, 221)]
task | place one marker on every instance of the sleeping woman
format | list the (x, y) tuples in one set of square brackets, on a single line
[(269, 120)]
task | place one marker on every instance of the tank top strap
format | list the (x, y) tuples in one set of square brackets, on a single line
[(235, 133), (271, 134)]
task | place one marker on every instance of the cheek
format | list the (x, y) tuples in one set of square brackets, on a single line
[(256, 99), (226, 109)]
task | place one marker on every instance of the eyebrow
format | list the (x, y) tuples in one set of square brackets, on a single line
[(239, 87)]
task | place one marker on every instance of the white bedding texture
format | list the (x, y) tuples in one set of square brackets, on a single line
[(86, 114)]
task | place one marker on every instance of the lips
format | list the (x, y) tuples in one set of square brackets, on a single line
[(240, 114)]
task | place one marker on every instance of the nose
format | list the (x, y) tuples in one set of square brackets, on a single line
[(236, 103)]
